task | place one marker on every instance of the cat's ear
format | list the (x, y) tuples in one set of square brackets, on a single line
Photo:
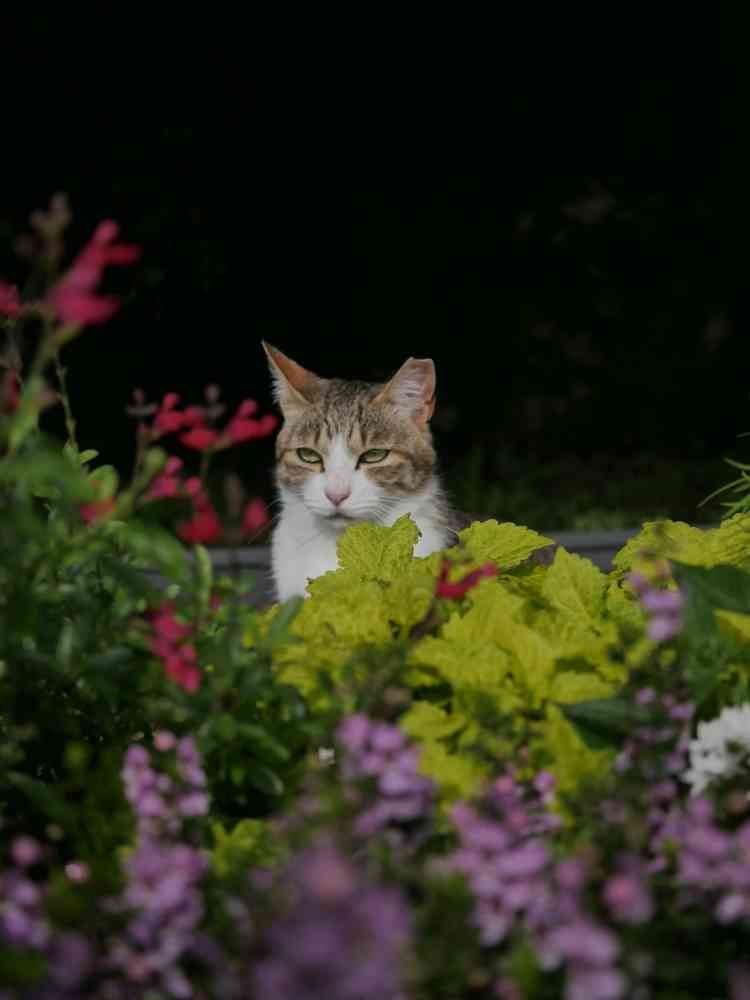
[(412, 390), (293, 386)]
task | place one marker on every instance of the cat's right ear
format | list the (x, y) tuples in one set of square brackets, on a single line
[(293, 386)]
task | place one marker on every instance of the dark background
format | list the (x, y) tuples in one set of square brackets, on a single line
[(564, 233)]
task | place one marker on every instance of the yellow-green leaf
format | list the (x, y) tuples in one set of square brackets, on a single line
[(505, 544), (375, 552)]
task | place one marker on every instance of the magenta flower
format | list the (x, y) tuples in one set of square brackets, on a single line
[(10, 304), (74, 299)]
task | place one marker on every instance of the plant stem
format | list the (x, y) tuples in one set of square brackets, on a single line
[(70, 423)]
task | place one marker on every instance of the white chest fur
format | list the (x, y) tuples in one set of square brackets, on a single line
[(304, 544)]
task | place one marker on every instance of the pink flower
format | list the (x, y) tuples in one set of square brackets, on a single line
[(167, 483), (97, 509), (456, 590), (243, 427), (203, 527), (73, 298), (10, 392), (10, 304), (200, 437), (168, 420), (168, 644), (255, 517)]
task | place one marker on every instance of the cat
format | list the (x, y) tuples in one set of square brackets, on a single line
[(351, 451)]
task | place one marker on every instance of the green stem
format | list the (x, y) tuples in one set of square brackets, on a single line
[(70, 423)]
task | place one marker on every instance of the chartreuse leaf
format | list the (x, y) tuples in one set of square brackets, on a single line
[(375, 552), (505, 544), (729, 543), (567, 755), (427, 722), (249, 844), (575, 588), (456, 775)]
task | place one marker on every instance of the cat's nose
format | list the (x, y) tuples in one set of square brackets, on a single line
[(337, 496)]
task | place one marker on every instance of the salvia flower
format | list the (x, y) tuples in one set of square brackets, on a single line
[(169, 643), (340, 936), (74, 299), (10, 304), (380, 752), (456, 589), (664, 608)]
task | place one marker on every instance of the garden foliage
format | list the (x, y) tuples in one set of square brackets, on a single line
[(494, 771)]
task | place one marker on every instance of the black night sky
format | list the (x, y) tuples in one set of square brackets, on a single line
[(565, 236)]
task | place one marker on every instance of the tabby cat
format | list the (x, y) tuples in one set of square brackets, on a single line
[(351, 451)]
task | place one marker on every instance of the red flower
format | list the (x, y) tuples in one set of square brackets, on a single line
[(181, 667), (73, 298), (203, 527), (456, 590), (10, 392), (254, 517), (201, 438), (167, 483), (10, 304), (97, 509), (168, 420), (179, 657), (246, 429)]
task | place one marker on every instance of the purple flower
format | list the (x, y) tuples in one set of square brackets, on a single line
[(340, 936)]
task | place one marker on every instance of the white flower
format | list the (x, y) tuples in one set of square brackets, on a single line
[(719, 749)]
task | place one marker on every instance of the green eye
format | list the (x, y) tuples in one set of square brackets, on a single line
[(308, 455), (373, 455)]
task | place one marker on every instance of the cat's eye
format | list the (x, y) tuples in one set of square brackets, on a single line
[(308, 455), (373, 455)]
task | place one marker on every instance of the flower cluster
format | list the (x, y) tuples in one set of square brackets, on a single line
[(196, 423), (23, 922), (204, 526), (456, 589), (169, 643), (161, 802), (340, 936), (380, 752), (664, 607), (510, 870), (721, 749), (162, 893)]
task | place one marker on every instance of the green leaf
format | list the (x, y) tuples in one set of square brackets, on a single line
[(575, 588), (278, 631), (729, 543), (725, 587), (505, 544), (608, 719), (375, 552)]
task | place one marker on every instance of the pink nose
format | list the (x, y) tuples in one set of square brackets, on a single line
[(337, 496)]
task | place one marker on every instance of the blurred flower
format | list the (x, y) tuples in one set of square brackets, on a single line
[(97, 510), (341, 936), (167, 418), (379, 751), (168, 644), (254, 517), (10, 304), (455, 590), (73, 298), (199, 437), (721, 748), (204, 526), (664, 608)]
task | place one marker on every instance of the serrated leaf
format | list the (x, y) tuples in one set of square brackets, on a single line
[(729, 543), (568, 756), (375, 552), (575, 588), (505, 544)]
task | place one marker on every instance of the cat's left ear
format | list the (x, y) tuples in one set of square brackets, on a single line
[(412, 390)]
